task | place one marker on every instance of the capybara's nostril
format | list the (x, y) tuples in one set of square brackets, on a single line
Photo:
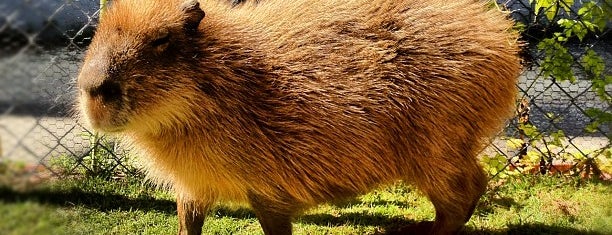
[(108, 91)]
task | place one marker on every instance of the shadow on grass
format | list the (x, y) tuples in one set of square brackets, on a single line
[(354, 218), (351, 202), (399, 225), (536, 228), (236, 213), (98, 201), (107, 201), (389, 224), (487, 205)]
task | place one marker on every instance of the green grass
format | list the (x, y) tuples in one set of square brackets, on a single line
[(520, 205)]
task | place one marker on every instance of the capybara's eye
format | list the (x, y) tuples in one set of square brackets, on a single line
[(161, 42)]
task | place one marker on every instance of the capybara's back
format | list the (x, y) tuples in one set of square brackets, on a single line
[(287, 104)]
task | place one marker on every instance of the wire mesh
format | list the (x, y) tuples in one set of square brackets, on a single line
[(42, 45)]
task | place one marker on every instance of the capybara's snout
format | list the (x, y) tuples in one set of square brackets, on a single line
[(107, 91), (101, 97)]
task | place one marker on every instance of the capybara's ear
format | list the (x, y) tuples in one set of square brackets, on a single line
[(193, 15)]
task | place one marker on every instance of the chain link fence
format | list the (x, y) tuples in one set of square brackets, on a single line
[(42, 45), (41, 48), (559, 127)]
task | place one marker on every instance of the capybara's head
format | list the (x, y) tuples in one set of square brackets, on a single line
[(137, 61)]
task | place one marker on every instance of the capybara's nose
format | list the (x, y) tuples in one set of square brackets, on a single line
[(107, 90), (95, 79)]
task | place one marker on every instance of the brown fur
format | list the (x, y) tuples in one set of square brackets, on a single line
[(288, 104)]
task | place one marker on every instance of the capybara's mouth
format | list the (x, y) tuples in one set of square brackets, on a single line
[(102, 116)]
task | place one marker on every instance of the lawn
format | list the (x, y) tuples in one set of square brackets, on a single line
[(518, 205)]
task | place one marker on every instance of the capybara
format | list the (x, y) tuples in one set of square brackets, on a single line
[(283, 105)]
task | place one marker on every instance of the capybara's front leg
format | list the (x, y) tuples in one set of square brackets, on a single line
[(191, 216)]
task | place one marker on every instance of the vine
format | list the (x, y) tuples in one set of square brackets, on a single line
[(590, 19), (569, 26)]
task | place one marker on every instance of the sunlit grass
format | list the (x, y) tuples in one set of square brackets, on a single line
[(518, 205)]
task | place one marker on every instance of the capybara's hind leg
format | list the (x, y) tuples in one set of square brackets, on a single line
[(274, 221), (191, 216), (454, 189)]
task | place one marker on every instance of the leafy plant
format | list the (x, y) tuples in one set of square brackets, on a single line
[(548, 154), (104, 160), (590, 19), (544, 153)]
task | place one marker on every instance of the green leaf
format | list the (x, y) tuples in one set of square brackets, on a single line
[(575, 27), (599, 117), (532, 157), (557, 60), (520, 27), (513, 143), (593, 63), (548, 6), (593, 13), (494, 164), (557, 138), (592, 127), (566, 4), (599, 86), (603, 116), (530, 131)]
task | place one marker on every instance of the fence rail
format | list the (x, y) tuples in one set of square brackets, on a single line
[(558, 127)]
